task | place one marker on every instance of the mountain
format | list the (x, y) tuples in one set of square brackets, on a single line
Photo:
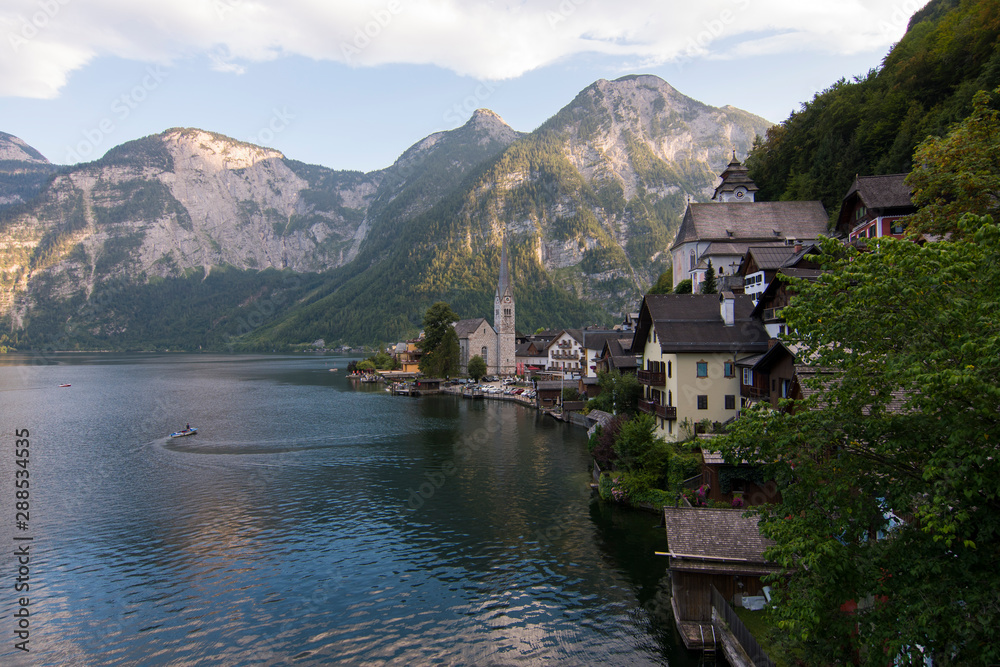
[(871, 124), (590, 200), (23, 170), (207, 228)]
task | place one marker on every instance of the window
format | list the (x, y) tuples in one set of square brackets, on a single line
[(747, 377), (702, 402), (485, 355), (897, 227), (730, 402), (729, 368), (702, 369), (670, 369), (670, 397), (786, 389)]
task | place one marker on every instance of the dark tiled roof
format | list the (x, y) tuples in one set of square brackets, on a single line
[(752, 221), (881, 192), (596, 339), (549, 385), (771, 257), (465, 327), (716, 534), (624, 362), (693, 323)]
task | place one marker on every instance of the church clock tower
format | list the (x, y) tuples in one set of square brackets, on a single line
[(503, 317)]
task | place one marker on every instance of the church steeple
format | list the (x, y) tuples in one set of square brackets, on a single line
[(503, 316), (504, 284), (736, 183)]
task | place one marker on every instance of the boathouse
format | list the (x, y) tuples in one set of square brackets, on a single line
[(712, 547)]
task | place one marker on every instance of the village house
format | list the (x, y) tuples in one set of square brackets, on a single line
[(408, 353), (875, 207), (616, 355), (723, 229), (689, 345), (761, 264), (566, 354)]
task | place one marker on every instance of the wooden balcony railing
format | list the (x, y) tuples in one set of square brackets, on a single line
[(652, 378), (754, 393), (663, 411)]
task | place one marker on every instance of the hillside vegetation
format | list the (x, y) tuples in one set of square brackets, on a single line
[(871, 124)]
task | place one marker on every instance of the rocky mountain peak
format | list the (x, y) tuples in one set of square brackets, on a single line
[(16, 149), (215, 151), (491, 126)]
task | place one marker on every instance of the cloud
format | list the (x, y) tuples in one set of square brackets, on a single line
[(43, 41)]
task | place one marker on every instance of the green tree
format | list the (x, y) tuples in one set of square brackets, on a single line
[(664, 285), (889, 470), (477, 367), (638, 448), (365, 366), (384, 361), (619, 393), (958, 173), (440, 345), (708, 285), (683, 287)]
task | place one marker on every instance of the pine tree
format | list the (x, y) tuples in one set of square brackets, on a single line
[(708, 286)]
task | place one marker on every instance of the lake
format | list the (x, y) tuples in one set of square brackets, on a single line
[(310, 521)]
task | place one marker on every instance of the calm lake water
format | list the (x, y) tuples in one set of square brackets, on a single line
[(310, 522)]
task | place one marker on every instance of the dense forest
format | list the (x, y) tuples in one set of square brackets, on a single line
[(190, 312), (871, 124)]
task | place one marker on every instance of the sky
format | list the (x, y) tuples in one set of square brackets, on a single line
[(352, 84)]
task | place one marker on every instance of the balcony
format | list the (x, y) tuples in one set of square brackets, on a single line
[(652, 378), (662, 411), (755, 393)]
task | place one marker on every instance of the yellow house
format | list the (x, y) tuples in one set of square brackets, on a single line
[(689, 345), (408, 356)]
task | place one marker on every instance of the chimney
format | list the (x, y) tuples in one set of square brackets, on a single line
[(798, 247), (727, 308)]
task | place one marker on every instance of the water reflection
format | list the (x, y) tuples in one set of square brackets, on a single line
[(314, 521)]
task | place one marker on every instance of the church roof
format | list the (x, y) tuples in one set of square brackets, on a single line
[(754, 222), (466, 327)]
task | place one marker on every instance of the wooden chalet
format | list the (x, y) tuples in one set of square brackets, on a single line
[(875, 207)]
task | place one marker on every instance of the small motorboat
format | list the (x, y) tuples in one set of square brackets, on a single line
[(181, 434), (64, 385)]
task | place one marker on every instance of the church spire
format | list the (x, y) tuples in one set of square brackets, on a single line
[(504, 284)]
